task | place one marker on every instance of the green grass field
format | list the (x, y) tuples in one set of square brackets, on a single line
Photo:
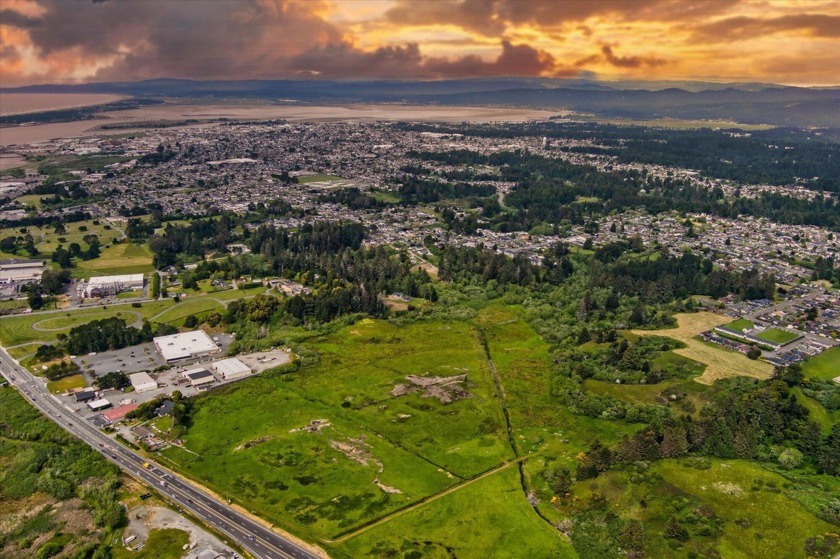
[(31, 199), (696, 393), (777, 335), (198, 306), (825, 418), (826, 365), (123, 258), (63, 385), (317, 178), (490, 518), (47, 240), (740, 325), (44, 327), (13, 304), (324, 484)]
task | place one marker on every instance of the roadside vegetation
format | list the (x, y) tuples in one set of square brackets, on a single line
[(58, 496)]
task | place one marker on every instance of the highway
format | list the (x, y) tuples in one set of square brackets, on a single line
[(258, 540)]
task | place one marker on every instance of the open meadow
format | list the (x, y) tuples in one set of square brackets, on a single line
[(720, 363), (352, 442)]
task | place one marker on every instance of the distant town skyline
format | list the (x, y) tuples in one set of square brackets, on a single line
[(66, 41)]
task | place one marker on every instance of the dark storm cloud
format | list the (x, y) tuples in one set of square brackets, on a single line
[(335, 61), (609, 56), (242, 39), (224, 38)]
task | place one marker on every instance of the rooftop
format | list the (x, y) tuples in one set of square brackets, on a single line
[(185, 345)]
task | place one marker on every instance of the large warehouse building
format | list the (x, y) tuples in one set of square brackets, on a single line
[(142, 382), (105, 286), (21, 271), (231, 369), (186, 345)]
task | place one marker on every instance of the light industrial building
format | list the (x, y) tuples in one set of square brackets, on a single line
[(21, 271), (231, 369), (105, 286), (99, 404), (187, 345), (142, 382), (118, 414), (85, 395), (201, 378)]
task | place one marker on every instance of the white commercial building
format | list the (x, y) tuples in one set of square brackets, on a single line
[(187, 345), (105, 286), (231, 368), (99, 404), (142, 382)]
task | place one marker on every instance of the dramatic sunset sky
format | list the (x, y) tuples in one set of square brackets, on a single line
[(69, 41)]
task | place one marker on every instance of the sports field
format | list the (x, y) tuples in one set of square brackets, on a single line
[(777, 335), (740, 325), (317, 178), (720, 363)]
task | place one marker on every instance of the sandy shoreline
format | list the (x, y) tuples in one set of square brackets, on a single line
[(25, 103)]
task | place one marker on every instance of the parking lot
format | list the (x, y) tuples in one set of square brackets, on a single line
[(132, 359), (145, 358)]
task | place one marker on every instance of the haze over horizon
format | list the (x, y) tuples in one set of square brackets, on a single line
[(56, 41)]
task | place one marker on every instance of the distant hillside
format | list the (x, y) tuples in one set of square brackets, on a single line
[(748, 103)]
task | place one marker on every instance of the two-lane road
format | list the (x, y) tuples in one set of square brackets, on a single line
[(250, 535)]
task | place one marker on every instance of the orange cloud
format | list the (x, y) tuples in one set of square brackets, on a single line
[(63, 41)]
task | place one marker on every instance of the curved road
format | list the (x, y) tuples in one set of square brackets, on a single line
[(250, 535)]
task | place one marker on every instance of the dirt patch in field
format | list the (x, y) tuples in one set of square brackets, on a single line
[(313, 426), (720, 363), (265, 360), (358, 451), (253, 443), (445, 389), (395, 305)]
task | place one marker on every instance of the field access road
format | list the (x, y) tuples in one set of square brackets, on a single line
[(258, 540)]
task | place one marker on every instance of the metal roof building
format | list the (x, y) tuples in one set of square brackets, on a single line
[(231, 368), (186, 345), (99, 404), (142, 382), (201, 377), (119, 413)]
